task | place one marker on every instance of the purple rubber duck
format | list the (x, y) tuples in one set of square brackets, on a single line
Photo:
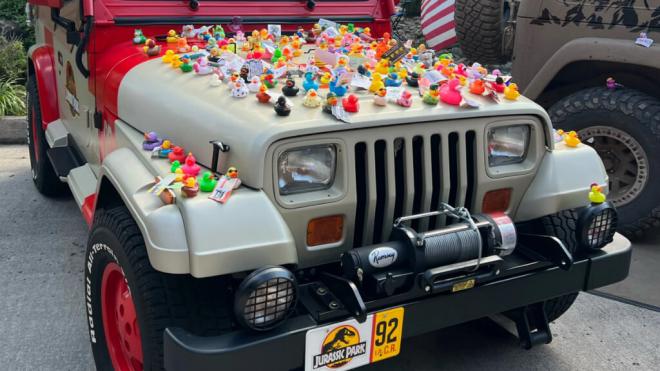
[(151, 141), (612, 84)]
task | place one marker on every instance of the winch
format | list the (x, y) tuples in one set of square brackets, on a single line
[(473, 243)]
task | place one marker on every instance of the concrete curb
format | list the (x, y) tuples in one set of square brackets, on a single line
[(13, 130)]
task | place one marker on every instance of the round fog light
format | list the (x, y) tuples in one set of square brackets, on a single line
[(265, 298), (596, 226)]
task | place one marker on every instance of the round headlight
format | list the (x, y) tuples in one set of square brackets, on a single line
[(596, 226), (265, 298)]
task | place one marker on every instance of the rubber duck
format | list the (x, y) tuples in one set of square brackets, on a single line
[(363, 70), (190, 167), (151, 49), (216, 80), (244, 74), (165, 149), (310, 83), (405, 100), (138, 37), (151, 141), (325, 79), (393, 80), (219, 32), (282, 108), (330, 101), (171, 36), (383, 66), (254, 84), (290, 89), (477, 87), (175, 165), (351, 103), (177, 154), (338, 86), (450, 92), (612, 84), (269, 80), (403, 74), (186, 65), (312, 99), (188, 31), (413, 80), (190, 187), (379, 98), (262, 95), (432, 95), (208, 182), (240, 90), (376, 83), (169, 55), (571, 139), (202, 67), (498, 86), (342, 65), (511, 92), (596, 195), (211, 43), (180, 176), (182, 45), (176, 62)]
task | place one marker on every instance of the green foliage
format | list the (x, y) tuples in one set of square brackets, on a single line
[(12, 98), (14, 10), (13, 61)]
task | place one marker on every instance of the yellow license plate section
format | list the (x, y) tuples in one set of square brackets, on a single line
[(387, 333)]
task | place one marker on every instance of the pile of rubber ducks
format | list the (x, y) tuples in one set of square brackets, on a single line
[(184, 167), (382, 66)]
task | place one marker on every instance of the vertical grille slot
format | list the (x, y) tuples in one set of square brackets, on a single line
[(399, 176), (453, 168), (436, 175), (418, 176), (380, 156), (470, 148), (361, 192)]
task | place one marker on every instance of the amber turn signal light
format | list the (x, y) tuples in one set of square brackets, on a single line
[(497, 200), (325, 230)]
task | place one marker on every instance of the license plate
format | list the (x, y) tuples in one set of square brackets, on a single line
[(350, 344)]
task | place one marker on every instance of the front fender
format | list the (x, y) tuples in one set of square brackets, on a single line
[(197, 235), (591, 49), (42, 67), (562, 182)]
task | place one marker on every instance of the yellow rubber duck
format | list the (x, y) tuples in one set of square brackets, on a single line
[(571, 139), (383, 66), (376, 83), (325, 79), (179, 175), (176, 62), (169, 55), (596, 196), (511, 92), (172, 36)]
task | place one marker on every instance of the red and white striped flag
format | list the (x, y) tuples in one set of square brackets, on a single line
[(438, 24)]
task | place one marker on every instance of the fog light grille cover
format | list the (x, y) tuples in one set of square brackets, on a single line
[(597, 225)]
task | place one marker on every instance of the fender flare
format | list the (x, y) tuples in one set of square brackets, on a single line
[(42, 67), (591, 49)]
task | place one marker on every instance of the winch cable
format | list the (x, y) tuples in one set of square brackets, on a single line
[(462, 213)]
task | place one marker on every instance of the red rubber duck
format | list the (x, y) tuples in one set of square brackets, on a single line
[(450, 92), (351, 103), (190, 168), (477, 87), (498, 85), (177, 154)]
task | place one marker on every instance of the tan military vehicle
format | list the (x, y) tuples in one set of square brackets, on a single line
[(563, 53)]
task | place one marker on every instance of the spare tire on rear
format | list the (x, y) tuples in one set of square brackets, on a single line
[(480, 29)]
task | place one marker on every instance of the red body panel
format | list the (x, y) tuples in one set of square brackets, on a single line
[(44, 71), (50, 3)]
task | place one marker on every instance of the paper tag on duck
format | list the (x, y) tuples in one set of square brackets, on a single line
[(223, 190), (159, 187), (360, 81)]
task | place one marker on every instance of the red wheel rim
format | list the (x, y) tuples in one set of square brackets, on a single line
[(120, 324)]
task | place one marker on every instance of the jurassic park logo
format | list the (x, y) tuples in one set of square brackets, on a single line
[(339, 347)]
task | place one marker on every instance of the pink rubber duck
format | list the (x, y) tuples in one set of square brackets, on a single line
[(450, 92), (190, 167)]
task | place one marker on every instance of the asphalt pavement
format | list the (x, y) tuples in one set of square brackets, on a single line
[(42, 322)]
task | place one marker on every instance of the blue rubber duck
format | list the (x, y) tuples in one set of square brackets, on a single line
[(339, 90), (310, 83), (393, 80)]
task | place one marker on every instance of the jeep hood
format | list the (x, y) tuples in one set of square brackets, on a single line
[(183, 107)]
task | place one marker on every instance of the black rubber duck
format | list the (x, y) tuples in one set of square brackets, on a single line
[(245, 72), (281, 107), (290, 89), (413, 79)]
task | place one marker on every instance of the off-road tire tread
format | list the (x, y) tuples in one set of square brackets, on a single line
[(479, 29), (46, 181), (633, 103), (561, 225), (197, 305)]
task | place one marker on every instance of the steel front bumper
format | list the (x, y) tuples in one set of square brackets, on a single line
[(284, 347)]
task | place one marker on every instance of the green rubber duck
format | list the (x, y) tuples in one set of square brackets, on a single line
[(208, 182), (175, 165)]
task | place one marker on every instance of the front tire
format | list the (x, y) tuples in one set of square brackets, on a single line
[(623, 126), (129, 304)]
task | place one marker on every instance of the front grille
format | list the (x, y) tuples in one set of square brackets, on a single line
[(399, 176)]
